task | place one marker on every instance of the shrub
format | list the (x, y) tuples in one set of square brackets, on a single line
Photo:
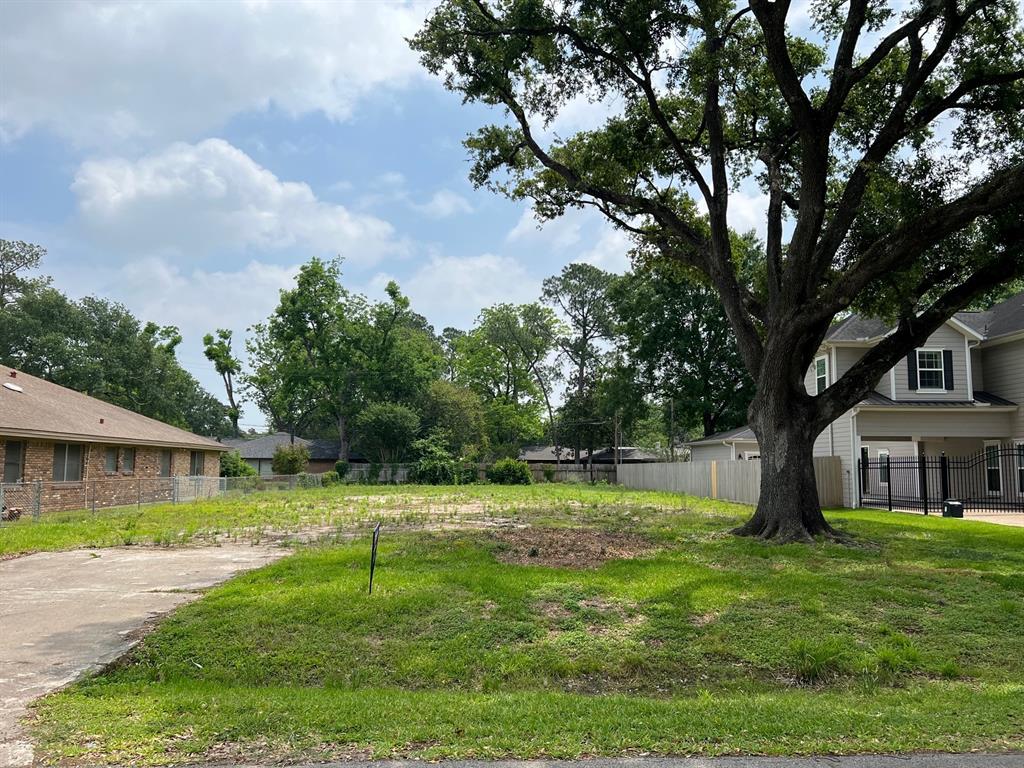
[(290, 459), (341, 468), (385, 431), (330, 478), (510, 472), (549, 473), (434, 463), (233, 465)]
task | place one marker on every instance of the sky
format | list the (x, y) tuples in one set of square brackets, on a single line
[(184, 158)]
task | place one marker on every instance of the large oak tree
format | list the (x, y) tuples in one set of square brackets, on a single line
[(888, 142)]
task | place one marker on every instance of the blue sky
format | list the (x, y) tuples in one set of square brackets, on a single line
[(184, 158)]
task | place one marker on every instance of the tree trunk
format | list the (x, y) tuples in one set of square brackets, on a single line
[(788, 508), (342, 438)]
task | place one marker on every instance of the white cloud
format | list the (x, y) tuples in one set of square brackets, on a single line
[(99, 72), (561, 233), (443, 204), (197, 301), (610, 252), (451, 290), (206, 197)]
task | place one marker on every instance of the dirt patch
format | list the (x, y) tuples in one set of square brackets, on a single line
[(597, 616), (567, 547)]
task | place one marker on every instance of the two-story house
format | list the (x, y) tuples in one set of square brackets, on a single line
[(959, 395)]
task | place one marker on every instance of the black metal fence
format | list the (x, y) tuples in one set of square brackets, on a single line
[(990, 481)]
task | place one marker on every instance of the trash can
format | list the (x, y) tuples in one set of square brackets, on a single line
[(953, 509)]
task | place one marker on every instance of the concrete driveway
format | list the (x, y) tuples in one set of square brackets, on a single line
[(64, 613)]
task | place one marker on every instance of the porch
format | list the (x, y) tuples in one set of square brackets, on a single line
[(916, 458)]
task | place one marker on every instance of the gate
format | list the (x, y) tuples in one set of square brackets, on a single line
[(990, 481)]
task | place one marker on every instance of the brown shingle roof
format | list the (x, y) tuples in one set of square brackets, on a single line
[(49, 411)]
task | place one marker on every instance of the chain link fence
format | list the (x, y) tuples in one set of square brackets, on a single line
[(33, 500)]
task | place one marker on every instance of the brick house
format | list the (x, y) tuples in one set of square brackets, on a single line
[(61, 449)]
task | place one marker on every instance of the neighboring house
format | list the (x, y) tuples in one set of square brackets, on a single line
[(258, 452), (63, 438), (545, 454), (725, 446), (959, 394)]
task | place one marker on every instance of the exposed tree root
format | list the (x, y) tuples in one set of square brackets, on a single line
[(790, 531)]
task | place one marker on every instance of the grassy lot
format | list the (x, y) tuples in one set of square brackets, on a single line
[(257, 516), (618, 623)]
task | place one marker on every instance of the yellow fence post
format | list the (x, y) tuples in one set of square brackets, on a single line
[(714, 479)]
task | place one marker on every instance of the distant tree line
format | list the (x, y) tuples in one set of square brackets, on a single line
[(644, 359), (97, 347)]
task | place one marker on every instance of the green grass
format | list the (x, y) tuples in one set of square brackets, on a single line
[(913, 639), (253, 517)]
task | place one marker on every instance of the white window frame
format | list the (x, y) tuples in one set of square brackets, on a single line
[(818, 389), (999, 467), (883, 453), (941, 369)]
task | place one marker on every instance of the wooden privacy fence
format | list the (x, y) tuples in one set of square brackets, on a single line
[(729, 480)]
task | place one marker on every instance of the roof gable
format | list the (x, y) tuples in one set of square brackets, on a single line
[(41, 409)]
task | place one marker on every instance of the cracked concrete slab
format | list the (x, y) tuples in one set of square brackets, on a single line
[(65, 613)]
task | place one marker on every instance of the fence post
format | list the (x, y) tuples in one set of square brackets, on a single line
[(1, 504), (888, 474), (944, 476), (94, 496), (138, 495), (39, 500), (922, 471)]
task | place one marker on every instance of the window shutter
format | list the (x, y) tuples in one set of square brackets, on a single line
[(947, 368), (912, 371)]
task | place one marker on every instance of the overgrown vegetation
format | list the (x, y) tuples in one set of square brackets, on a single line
[(509, 472), (493, 641)]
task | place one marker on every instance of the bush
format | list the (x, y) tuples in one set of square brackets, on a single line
[(549, 473), (385, 431), (510, 472), (330, 478), (290, 459), (434, 464), (341, 468), (233, 465)]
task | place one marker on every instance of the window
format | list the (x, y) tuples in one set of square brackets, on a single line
[(14, 462), (110, 460), (752, 456), (195, 466), (820, 374), (127, 459), (883, 466), (165, 463), (931, 374), (993, 472), (67, 462)]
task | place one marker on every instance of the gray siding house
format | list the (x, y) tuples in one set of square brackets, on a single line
[(959, 394)]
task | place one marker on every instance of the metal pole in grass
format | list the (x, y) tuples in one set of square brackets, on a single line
[(373, 554)]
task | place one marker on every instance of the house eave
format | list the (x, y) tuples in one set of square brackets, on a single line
[(68, 437), (946, 408), (1005, 338)]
